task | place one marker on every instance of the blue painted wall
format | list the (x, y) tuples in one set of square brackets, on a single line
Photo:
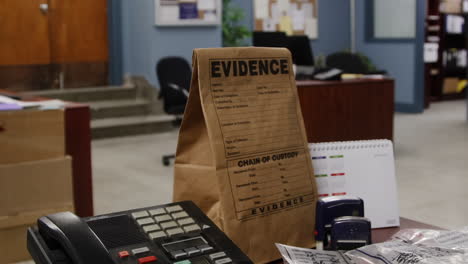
[(144, 43), (401, 59), (334, 25)]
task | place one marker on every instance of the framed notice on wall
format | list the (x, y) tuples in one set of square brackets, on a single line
[(188, 12), (382, 23), (295, 17)]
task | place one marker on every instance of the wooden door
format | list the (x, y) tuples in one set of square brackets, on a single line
[(63, 46), (79, 41), (24, 45)]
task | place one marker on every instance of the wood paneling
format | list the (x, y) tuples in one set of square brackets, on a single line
[(78, 30), (25, 77), (81, 74), (347, 110), (47, 76), (37, 48), (24, 33)]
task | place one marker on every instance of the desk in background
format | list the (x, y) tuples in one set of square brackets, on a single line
[(78, 146), (347, 110)]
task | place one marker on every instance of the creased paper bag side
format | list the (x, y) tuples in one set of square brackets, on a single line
[(194, 168), (264, 170)]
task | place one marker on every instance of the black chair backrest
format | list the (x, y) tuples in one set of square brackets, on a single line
[(347, 62), (173, 72)]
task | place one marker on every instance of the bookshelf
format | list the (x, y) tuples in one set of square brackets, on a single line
[(447, 29)]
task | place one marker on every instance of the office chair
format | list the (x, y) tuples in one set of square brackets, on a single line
[(174, 74), (352, 63)]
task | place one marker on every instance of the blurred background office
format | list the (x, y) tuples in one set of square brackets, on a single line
[(398, 69)]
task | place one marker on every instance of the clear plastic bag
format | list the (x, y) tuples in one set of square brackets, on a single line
[(416, 246)]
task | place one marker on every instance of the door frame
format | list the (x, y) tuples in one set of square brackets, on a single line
[(114, 16)]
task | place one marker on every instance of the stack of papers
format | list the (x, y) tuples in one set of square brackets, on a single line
[(8, 103)]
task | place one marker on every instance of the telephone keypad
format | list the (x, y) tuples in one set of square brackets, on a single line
[(178, 254), (178, 215), (175, 208), (140, 214), (191, 228), (174, 231), (158, 211), (151, 228), (185, 221), (147, 259), (205, 248), (141, 250), (167, 225), (123, 254), (145, 221), (162, 218), (192, 251), (156, 235), (223, 261)]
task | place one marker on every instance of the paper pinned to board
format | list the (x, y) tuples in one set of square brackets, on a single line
[(269, 25), (296, 255), (298, 20), (292, 9), (210, 16), (311, 28), (308, 10), (169, 12), (283, 7), (285, 25), (206, 4), (261, 9)]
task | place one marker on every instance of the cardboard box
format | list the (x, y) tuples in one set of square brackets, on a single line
[(29, 190), (29, 135), (451, 6), (450, 86)]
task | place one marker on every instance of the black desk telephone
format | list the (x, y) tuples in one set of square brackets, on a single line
[(173, 233)]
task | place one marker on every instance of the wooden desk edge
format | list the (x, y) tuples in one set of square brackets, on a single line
[(77, 145), (302, 83), (383, 234)]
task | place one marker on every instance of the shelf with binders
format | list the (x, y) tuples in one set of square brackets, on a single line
[(448, 74)]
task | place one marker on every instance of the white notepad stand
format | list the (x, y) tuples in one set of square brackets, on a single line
[(365, 169)]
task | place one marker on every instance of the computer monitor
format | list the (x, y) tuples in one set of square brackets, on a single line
[(300, 50), (298, 45), (302, 57), (269, 39)]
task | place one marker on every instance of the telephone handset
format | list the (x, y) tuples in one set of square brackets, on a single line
[(70, 233)]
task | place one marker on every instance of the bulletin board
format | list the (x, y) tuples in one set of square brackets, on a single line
[(295, 17), (188, 12)]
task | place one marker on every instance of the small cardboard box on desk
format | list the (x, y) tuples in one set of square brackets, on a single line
[(35, 175)]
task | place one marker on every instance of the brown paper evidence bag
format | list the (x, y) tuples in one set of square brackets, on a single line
[(242, 154)]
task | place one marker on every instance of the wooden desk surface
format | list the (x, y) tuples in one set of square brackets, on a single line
[(312, 83), (347, 110)]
